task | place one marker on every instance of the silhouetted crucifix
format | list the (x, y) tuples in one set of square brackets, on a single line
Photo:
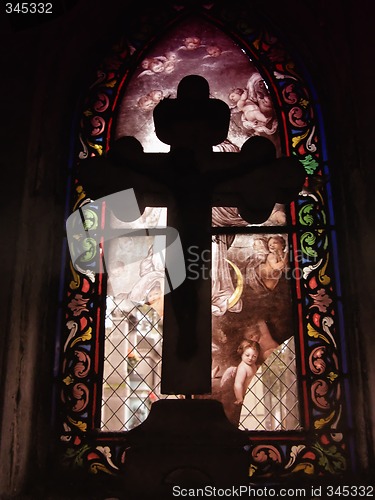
[(190, 180)]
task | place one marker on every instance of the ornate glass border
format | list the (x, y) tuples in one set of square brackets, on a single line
[(322, 448)]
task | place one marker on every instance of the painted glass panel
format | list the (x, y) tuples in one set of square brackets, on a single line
[(133, 323), (198, 47), (252, 302)]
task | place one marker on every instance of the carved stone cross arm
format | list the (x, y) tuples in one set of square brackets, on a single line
[(256, 183)]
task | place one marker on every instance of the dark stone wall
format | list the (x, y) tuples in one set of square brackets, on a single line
[(44, 67)]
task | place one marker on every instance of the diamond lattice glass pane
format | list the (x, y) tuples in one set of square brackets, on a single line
[(271, 401), (132, 366), (134, 325)]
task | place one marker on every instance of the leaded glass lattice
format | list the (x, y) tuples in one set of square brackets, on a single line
[(271, 401), (133, 322), (132, 359)]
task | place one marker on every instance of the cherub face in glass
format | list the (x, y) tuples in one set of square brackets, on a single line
[(249, 356), (146, 103), (154, 294), (276, 244), (192, 42)]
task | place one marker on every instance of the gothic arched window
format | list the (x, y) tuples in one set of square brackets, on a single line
[(276, 282)]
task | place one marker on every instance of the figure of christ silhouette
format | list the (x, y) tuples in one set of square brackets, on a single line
[(190, 180)]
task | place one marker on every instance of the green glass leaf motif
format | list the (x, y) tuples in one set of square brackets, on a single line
[(305, 216), (75, 456), (331, 459), (89, 247), (307, 240), (323, 215), (310, 164), (91, 219)]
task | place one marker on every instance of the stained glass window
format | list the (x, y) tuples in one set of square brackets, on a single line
[(275, 283)]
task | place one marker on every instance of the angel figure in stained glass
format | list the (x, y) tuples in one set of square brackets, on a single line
[(236, 379)]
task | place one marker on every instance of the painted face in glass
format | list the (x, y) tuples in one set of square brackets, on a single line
[(249, 356), (275, 245)]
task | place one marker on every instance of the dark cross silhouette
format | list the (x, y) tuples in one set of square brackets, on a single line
[(190, 180)]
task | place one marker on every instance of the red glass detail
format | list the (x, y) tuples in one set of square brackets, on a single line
[(324, 439), (293, 212), (285, 128), (83, 322), (301, 339), (306, 403), (312, 283), (85, 285), (96, 367), (316, 319), (108, 138), (298, 273)]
